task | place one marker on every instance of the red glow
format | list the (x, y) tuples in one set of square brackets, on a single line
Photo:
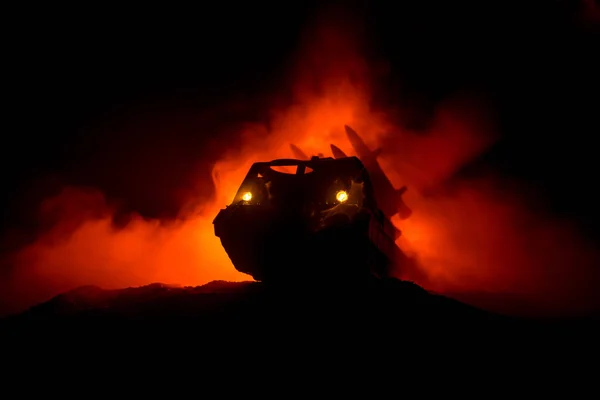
[(475, 239)]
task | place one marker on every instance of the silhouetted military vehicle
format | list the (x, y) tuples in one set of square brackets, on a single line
[(321, 220)]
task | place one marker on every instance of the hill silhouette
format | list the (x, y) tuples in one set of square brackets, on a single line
[(294, 330), (253, 311)]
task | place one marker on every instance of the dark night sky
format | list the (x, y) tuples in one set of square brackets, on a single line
[(73, 73)]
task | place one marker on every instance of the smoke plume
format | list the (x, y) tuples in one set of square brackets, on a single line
[(469, 235)]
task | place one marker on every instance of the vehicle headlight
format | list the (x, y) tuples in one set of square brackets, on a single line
[(341, 196), (247, 196)]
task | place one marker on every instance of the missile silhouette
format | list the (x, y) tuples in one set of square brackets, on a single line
[(337, 152), (388, 198), (362, 151), (299, 154)]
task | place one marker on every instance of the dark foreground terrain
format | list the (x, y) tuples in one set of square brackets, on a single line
[(335, 336), (384, 314)]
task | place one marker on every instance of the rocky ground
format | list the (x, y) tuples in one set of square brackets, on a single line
[(387, 320)]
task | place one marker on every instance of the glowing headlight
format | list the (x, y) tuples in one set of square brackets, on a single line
[(341, 196), (247, 196)]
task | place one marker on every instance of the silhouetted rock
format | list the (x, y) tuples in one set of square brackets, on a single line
[(294, 318), (239, 301)]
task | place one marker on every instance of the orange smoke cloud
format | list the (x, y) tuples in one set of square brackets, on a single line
[(482, 238), (84, 248), (471, 239)]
